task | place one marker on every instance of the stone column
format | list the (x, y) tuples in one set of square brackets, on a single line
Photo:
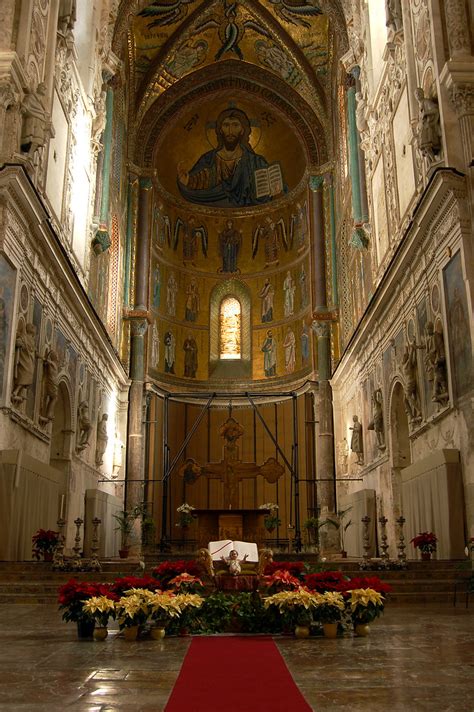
[(316, 184), (101, 241), (325, 467), (136, 440), (143, 240)]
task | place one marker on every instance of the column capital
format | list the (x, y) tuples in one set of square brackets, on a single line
[(322, 329), (139, 327), (315, 183)]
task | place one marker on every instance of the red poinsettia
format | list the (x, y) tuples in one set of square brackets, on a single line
[(127, 582), (72, 595), (186, 583), (281, 581), (296, 568), (169, 569), (425, 542), (44, 540), (325, 581), (357, 582)]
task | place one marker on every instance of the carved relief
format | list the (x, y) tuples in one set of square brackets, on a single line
[(25, 358)]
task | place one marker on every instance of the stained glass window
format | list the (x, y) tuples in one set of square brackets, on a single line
[(230, 328)]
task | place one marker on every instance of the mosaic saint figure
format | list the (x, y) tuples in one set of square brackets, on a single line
[(170, 351), (225, 175), (303, 287), (289, 288), (269, 355), (267, 294), (25, 355), (171, 291), (190, 356), (156, 287), (305, 344), (230, 243), (192, 301), (289, 345)]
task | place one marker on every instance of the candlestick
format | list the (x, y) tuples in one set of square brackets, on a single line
[(61, 511)]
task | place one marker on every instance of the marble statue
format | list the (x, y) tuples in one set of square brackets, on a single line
[(356, 440), (35, 120), (83, 425), (429, 132), (102, 439), (361, 113), (25, 355), (393, 13), (435, 364), (376, 424), (50, 386), (411, 399)]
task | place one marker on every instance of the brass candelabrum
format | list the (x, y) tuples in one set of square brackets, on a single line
[(76, 563), (366, 543), (59, 563), (383, 541), (402, 557)]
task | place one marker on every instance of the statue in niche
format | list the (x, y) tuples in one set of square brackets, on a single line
[(102, 440), (190, 356), (269, 355), (376, 424), (356, 440), (411, 399), (267, 294), (25, 355), (429, 131), (289, 288), (435, 363), (289, 344), (171, 292), (361, 113), (67, 15), (230, 243), (35, 120), (170, 352), (84, 426), (192, 301), (393, 13), (50, 386)]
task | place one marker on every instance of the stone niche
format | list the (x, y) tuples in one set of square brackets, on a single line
[(433, 501)]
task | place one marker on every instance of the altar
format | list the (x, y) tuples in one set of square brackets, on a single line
[(234, 524)]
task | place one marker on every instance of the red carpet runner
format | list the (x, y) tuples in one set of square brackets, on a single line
[(235, 674)]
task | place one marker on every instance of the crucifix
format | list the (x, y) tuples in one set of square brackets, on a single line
[(231, 470)]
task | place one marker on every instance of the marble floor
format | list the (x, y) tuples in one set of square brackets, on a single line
[(416, 659)]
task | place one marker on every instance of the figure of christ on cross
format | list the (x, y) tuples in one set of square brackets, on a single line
[(230, 470)]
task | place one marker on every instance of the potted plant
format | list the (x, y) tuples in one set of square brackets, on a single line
[(163, 607), (329, 609), (71, 598), (186, 516), (188, 603), (125, 521), (313, 526), (295, 608), (365, 606), (426, 543), (44, 544), (99, 609), (132, 611), (271, 520), (342, 526)]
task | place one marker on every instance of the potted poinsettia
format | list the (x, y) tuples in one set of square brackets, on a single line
[(132, 611), (163, 606), (295, 608), (426, 543), (99, 609), (329, 609), (365, 606), (44, 543), (188, 604), (71, 598)]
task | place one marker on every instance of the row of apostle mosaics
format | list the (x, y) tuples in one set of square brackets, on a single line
[(269, 347), (435, 367), (269, 237), (291, 289), (24, 367)]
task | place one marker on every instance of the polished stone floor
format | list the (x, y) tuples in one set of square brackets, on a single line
[(415, 659)]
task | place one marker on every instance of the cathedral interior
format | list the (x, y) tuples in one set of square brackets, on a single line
[(236, 269)]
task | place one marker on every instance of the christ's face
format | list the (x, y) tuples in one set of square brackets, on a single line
[(232, 131)]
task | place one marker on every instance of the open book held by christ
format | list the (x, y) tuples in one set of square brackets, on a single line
[(224, 547), (268, 181)]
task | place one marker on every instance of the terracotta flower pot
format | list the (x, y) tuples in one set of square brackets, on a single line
[(123, 553), (330, 630), (130, 634)]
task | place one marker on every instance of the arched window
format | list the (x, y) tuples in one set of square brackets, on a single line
[(230, 329)]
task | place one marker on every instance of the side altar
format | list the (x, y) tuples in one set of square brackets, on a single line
[(234, 524)]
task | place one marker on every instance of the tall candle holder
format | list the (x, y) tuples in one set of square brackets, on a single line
[(383, 541), (94, 564), (402, 557), (76, 563), (59, 563), (365, 539)]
